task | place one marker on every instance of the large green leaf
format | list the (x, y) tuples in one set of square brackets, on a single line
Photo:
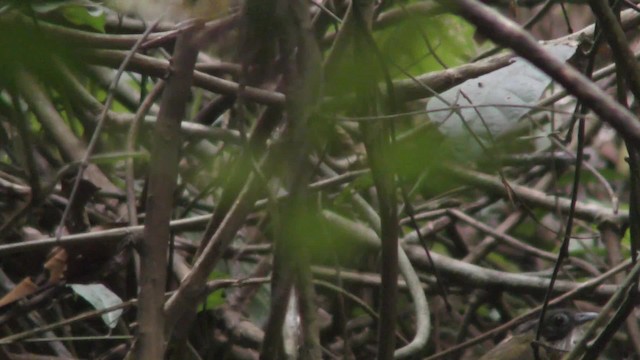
[(91, 16), (405, 44), (492, 104)]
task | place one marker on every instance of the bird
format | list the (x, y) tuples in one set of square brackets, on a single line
[(561, 330)]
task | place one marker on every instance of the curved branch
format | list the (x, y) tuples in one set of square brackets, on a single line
[(423, 321), (148, 65)]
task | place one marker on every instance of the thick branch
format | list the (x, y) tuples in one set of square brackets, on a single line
[(162, 182)]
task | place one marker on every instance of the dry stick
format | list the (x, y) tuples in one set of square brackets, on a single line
[(129, 172), (116, 235), (157, 67), (96, 134), (104, 236), (421, 306), (508, 239), (132, 136), (470, 276), (17, 189), (187, 128), (589, 212), (465, 274), (162, 182), (439, 81), (488, 243), (358, 277)]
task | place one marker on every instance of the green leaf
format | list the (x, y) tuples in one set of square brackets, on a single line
[(216, 298), (407, 44), (91, 16), (501, 103)]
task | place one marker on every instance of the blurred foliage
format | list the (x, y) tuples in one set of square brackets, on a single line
[(78, 12), (409, 45)]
